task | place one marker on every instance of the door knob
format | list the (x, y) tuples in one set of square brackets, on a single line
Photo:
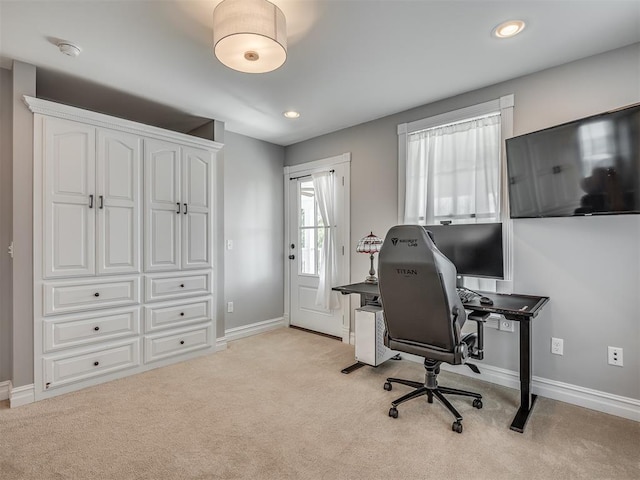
[(292, 257)]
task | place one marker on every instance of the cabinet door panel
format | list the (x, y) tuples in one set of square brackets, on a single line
[(162, 200), (197, 181), (196, 253), (69, 183), (118, 202), (165, 251)]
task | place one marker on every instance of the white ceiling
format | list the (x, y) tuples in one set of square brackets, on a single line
[(349, 61)]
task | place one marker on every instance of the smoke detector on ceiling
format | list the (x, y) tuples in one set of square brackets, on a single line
[(69, 49)]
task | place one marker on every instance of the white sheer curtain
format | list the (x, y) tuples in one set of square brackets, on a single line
[(453, 174), (327, 268)]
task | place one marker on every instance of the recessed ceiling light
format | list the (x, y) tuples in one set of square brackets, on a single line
[(69, 49), (509, 28), (291, 114)]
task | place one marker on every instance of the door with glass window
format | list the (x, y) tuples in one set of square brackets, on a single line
[(307, 233)]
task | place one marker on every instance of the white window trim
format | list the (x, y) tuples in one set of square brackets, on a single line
[(505, 106)]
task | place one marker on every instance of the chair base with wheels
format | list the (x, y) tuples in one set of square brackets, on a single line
[(431, 389)]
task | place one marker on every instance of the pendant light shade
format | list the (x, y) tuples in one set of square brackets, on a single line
[(250, 35)]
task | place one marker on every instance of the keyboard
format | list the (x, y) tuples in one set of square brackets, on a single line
[(466, 295)]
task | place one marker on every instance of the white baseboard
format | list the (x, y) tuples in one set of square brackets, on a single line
[(5, 389), (22, 395), (253, 329), (586, 397), (619, 406), (221, 344)]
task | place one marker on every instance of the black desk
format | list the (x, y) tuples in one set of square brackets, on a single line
[(519, 308)]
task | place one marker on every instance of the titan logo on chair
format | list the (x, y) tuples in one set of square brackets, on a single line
[(407, 271)]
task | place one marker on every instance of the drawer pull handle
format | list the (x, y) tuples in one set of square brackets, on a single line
[(182, 314), (182, 285), (95, 364), (96, 328), (97, 294), (178, 203), (181, 342)]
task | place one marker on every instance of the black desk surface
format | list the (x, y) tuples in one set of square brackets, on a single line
[(503, 303), (361, 288)]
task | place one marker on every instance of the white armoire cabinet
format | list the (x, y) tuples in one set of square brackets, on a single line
[(123, 247)]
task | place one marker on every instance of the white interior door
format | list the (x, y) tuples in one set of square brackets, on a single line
[(306, 234)]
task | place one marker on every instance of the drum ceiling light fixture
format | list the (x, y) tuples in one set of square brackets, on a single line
[(250, 36)]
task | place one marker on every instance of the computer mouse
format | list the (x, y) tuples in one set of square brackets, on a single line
[(486, 301)]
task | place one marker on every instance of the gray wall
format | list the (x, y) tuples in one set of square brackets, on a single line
[(6, 202), (254, 221), (218, 270), (24, 83), (590, 267)]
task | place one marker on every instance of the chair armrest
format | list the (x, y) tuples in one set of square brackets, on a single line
[(480, 318)]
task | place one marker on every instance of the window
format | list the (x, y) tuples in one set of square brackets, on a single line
[(452, 168), (312, 230), (453, 172)]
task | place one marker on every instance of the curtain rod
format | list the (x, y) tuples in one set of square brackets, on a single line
[(305, 176)]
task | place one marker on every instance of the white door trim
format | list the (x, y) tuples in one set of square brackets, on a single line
[(345, 239)]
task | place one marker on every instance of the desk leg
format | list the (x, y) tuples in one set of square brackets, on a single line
[(353, 367), (527, 399)]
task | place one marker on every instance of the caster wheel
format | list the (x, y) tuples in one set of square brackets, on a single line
[(393, 412), (456, 427), (387, 386), (477, 403)]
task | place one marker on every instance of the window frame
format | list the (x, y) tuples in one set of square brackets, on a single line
[(504, 105)]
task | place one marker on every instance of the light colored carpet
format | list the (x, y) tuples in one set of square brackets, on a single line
[(275, 406)]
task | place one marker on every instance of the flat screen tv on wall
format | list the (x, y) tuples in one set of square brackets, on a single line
[(589, 166)]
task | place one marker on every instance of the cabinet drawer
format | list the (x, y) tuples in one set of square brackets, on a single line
[(64, 369), (161, 287), (157, 347), (84, 329), (177, 314), (63, 297)]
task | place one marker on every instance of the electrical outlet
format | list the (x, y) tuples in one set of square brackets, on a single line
[(229, 244), (230, 307), (557, 346), (506, 325), (615, 356)]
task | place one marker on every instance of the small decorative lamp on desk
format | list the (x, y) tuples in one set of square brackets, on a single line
[(370, 244)]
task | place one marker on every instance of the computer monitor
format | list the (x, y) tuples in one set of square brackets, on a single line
[(474, 248)]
